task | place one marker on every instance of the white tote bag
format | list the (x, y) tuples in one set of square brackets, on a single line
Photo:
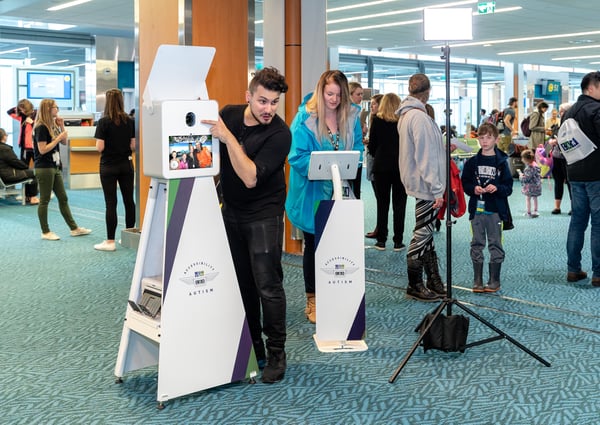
[(573, 142)]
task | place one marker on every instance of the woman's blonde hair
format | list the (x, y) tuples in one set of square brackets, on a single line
[(388, 106), (316, 104), (44, 116)]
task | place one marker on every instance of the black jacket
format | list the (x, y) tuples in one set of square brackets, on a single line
[(586, 111), (11, 167), (494, 202)]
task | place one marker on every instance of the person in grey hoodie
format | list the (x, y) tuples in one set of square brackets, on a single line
[(422, 162)]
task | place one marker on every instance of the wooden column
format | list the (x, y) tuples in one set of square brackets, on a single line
[(224, 25), (293, 98), (156, 26)]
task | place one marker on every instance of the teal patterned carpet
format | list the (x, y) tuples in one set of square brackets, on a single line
[(64, 305)]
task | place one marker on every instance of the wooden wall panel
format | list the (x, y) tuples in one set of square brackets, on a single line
[(227, 31), (156, 26)]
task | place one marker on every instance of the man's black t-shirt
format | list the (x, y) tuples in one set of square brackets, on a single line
[(267, 146)]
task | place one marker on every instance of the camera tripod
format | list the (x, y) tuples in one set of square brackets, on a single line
[(448, 301)]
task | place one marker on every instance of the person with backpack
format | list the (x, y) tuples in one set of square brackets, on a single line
[(509, 126), (487, 179), (584, 177), (537, 126)]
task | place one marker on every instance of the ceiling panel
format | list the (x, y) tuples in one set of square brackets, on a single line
[(539, 18)]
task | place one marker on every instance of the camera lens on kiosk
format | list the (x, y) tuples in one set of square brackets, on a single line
[(190, 119)]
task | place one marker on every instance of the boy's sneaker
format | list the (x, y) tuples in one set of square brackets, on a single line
[(380, 246), (80, 231), (50, 236), (492, 287), (478, 288), (399, 247), (534, 214)]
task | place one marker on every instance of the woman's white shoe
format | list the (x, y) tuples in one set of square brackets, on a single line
[(105, 246)]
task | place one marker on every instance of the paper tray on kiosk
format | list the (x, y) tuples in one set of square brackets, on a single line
[(319, 167)]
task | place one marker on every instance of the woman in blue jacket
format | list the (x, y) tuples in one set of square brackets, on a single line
[(326, 121)]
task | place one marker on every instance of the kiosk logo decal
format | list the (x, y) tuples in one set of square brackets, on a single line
[(340, 268), (199, 275)]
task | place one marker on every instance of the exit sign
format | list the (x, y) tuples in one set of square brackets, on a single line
[(486, 7)]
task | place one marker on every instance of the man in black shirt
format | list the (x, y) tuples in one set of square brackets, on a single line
[(254, 145)]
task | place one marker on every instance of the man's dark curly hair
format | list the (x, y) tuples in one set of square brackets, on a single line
[(270, 79)]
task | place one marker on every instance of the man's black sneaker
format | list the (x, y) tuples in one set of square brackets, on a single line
[(399, 247), (421, 293), (274, 371), (380, 246)]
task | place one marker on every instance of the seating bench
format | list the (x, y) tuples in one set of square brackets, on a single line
[(10, 189)]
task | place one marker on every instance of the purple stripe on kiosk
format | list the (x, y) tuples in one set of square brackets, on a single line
[(182, 190), (323, 211), (244, 355), (357, 331)]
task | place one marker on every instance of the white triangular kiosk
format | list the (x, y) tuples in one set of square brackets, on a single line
[(339, 257), (184, 312)]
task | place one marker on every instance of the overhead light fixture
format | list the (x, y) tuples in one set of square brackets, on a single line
[(14, 50), (355, 6), (369, 27), (66, 5), (52, 63), (517, 40), (396, 12), (571, 58), (553, 49), (414, 21)]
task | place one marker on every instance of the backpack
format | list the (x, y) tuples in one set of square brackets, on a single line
[(457, 204), (574, 144), (498, 120), (525, 126)]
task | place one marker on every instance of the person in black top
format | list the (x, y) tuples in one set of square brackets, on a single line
[(48, 132), (383, 145), (12, 169), (254, 145), (115, 140), (25, 114)]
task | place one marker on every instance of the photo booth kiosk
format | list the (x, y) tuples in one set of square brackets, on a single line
[(185, 312), (339, 256)]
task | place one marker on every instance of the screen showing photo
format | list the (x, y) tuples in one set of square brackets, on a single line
[(190, 152)]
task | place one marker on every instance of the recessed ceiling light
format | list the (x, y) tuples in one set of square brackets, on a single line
[(365, 39), (581, 41)]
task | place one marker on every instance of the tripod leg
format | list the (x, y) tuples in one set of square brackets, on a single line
[(412, 350), (502, 334)]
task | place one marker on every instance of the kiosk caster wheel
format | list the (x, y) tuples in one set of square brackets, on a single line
[(252, 381), (119, 380), (160, 405)]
